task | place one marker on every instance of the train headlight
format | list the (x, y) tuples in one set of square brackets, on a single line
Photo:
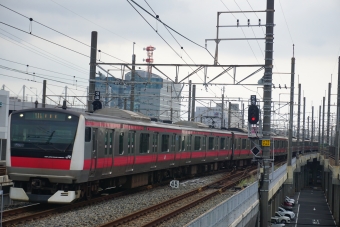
[(69, 117), (21, 115)]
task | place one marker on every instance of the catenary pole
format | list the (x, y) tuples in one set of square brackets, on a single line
[(298, 123), (337, 119), (93, 59), (267, 101)]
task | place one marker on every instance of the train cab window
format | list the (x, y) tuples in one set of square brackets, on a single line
[(222, 143), (183, 143), (111, 141), (144, 143), (204, 143), (121, 143), (87, 134), (173, 143), (131, 142), (244, 144), (165, 143), (197, 143), (155, 142), (211, 143)]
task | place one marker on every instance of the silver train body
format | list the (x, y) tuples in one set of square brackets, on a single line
[(58, 156)]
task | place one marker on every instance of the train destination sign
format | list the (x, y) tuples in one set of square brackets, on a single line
[(265, 143)]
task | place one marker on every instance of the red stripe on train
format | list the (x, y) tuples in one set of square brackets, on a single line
[(41, 163)]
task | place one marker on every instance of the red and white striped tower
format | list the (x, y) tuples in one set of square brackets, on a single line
[(149, 59)]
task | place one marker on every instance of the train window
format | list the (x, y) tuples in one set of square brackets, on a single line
[(144, 143), (211, 143), (165, 143), (183, 143), (173, 142), (197, 143), (204, 143), (106, 139), (189, 143), (131, 143), (244, 144), (155, 142), (222, 143), (87, 134), (110, 140), (216, 143), (121, 143), (227, 143), (178, 143)]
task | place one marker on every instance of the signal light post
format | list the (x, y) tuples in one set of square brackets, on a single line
[(253, 114)]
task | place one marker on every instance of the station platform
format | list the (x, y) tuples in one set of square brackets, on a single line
[(311, 209)]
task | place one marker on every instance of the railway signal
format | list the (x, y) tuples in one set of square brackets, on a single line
[(253, 114)]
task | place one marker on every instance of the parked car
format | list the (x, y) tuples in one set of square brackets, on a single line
[(287, 204), (289, 200), (287, 213), (274, 222), (287, 207), (281, 218)]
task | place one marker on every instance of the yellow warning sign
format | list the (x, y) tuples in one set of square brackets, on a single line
[(265, 143)]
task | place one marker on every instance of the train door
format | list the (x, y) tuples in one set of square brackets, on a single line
[(108, 152), (94, 152), (131, 146), (154, 150), (101, 137)]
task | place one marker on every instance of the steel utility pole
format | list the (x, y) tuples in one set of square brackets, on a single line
[(298, 126), (44, 94), (291, 119), (303, 125), (132, 98), (337, 120), (93, 60), (267, 99), (312, 134), (323, 125), (328, 111), (193, 102), (189, 101), (319, 135)]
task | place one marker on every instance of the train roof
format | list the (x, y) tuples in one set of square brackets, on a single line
[(129, 117)]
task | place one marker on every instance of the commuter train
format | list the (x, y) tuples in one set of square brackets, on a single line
[(60, 155)]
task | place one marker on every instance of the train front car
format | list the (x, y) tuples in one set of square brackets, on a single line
[(39, 154)]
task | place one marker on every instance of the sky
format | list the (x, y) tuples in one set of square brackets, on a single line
[(56, 45)]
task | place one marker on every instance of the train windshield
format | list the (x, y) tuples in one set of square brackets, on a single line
[(43, 134)]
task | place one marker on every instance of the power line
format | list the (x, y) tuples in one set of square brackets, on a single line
[(31, 19), (44, 39), (42, 69), (57, 60)]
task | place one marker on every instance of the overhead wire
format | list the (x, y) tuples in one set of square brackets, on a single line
[(177, 43), (40, 52), (42, 69), (31, 19)]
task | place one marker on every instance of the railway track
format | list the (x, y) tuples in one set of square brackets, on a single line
[(157, 214), (37, 211)]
